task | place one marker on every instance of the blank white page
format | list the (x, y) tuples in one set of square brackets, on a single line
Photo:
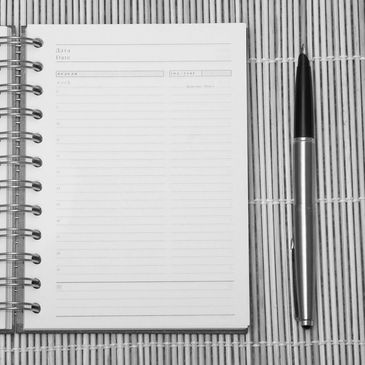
[(145, 211)]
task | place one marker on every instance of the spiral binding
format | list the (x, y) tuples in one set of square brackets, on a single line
[(21, 232), (17, 41), (15, 306), (19, 64), (35, 137), (19, 88), (20, 184), (16, 256), (20, 112), (16, 281), (18, 160), (35, 209)]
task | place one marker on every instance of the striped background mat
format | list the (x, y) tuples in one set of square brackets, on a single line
[(334, 32)]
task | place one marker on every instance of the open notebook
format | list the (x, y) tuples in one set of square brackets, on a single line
[(143, 167)]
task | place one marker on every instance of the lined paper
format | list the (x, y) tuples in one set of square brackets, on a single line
[(145, 192)]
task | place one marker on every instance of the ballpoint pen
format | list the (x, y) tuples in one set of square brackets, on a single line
[(304, 243)]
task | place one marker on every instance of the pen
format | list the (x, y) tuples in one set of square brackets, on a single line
[(304, 243)]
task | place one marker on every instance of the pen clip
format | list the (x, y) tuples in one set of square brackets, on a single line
[(294, 277)]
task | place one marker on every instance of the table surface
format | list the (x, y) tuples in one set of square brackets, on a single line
[(334, 34)]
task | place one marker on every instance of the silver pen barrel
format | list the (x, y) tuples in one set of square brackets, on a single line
[(304, 244)]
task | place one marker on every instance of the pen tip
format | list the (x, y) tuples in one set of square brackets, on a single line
[(302, 48)]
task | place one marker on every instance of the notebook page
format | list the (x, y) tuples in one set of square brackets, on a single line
[(3, 169), (144, 202)]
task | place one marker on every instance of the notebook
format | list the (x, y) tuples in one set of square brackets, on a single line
[(124, 178)]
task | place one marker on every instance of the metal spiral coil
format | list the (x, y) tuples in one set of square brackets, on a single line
[(21, 64), (20, 160), (35, 137), (16, 281), (16, 256), (26, 208), (16, 40), (19, 88), (21, 112), (16, 183), (19, 306), (20, 184), (20, 232)]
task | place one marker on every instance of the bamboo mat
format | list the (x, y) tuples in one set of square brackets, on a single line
[(334, 33)]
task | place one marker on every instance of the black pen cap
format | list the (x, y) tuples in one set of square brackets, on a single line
[(303, 108)]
